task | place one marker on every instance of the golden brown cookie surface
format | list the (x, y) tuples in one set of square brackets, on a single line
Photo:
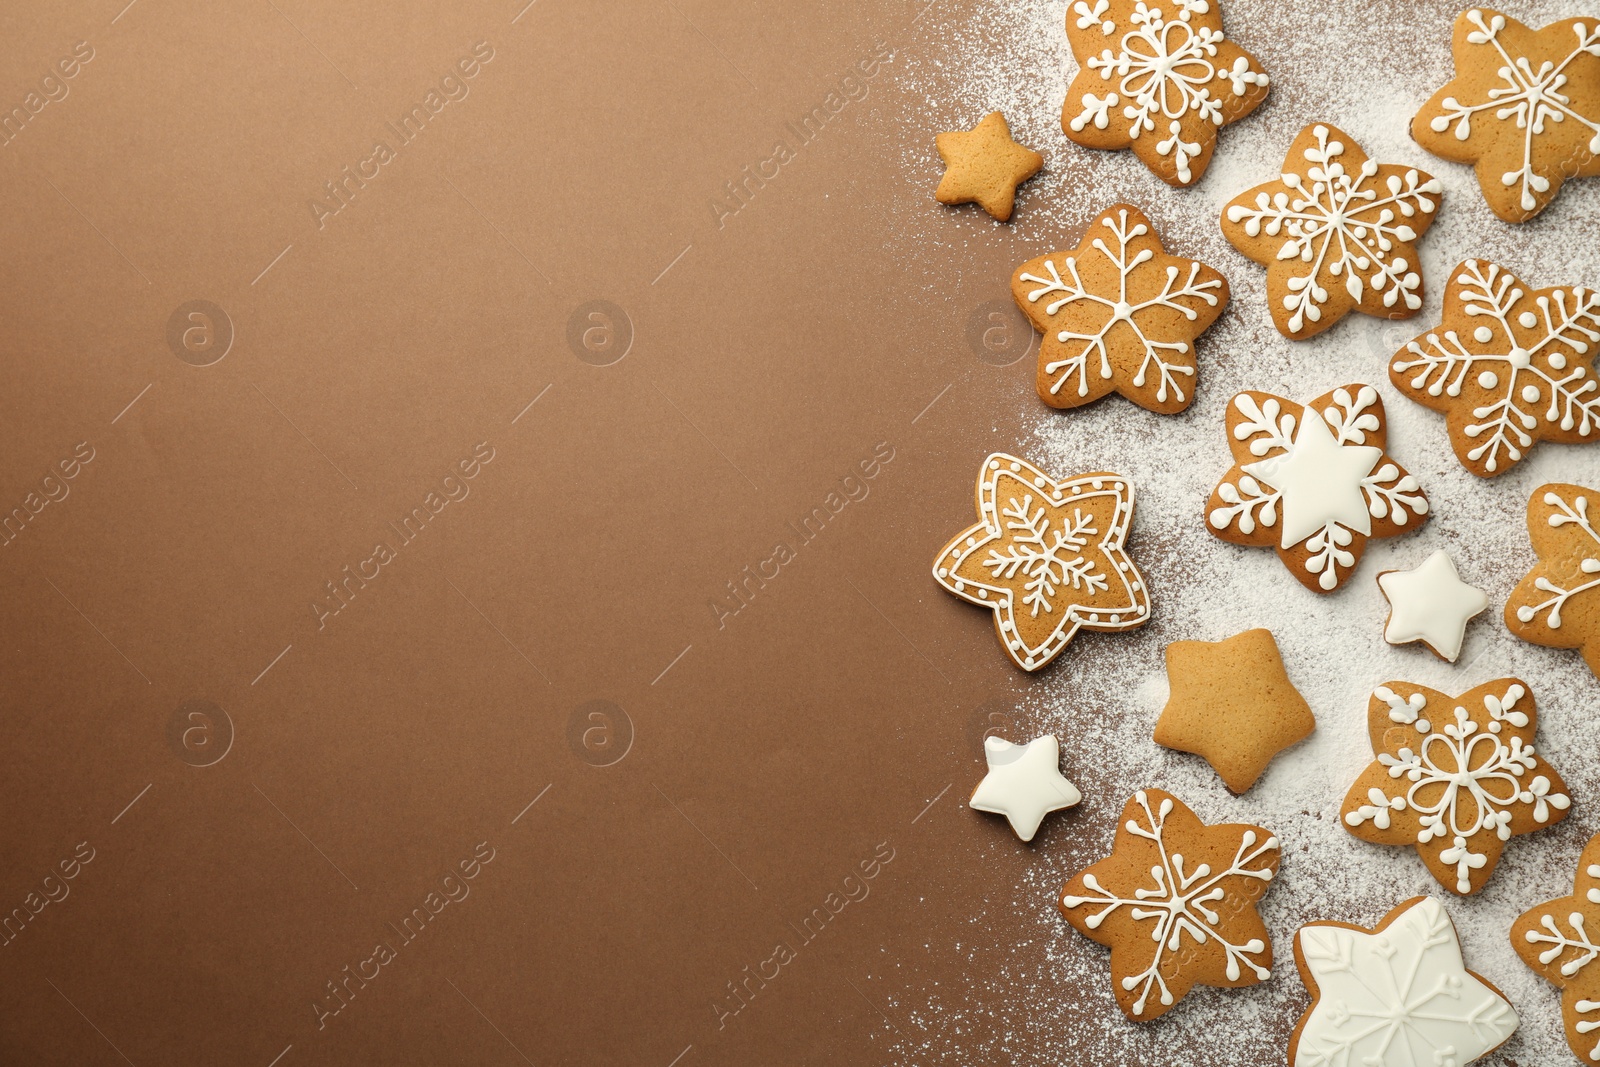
[(984, 165), (1557, 604), (1557, 940)]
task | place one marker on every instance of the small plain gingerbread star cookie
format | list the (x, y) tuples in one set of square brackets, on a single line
[(1557, 940), (1024, 783), (1557, 604), (1430, 604), (1232, 702), (984, 165)]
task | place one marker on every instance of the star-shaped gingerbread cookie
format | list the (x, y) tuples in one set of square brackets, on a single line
[(1159, 77), (1024, 783), (984, 165), (1336, 232), (1314, 482), (1047, 558), (1557, 604), (1509, 366), (1175, 903), (1431, 604), (1118, 313), (1524, 107), (1455, 777), (1232, 702), (1558, 941)]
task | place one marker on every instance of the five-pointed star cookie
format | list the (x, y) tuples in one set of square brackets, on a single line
[(1524, 107), (1313, 482), (1232, 702), (1159, 77), (1175, 903), (1430, 604), (1024, 783), (1046, 557), (1557, 940), (984, 165), (1557, 604), (1455, 777), (1118, 312), (1398, 995), (1336, 232), (1509, 366)]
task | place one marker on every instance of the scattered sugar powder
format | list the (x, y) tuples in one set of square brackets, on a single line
[(1037, 991)]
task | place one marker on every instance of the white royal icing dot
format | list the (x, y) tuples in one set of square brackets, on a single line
[(1488, 380), (1530, 393), (1528, 319), (1483, 335)]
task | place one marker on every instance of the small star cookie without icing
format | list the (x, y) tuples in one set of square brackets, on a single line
[(1024, 783), (1397, 995), (984, 165), (1557, 604), (1509, 366), (1313, 482), (1160, 78), (1118, 313), (1232, 702), (1557, 941), (1336, 232), (1430, 604), (1047, 558), (1455, 777), (1524, 107), (1175, 903)]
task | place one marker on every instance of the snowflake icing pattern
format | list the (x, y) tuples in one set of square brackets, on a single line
[(1523, 373), (1336, 231), (1567, 577), (1118, 313), (1557, 940)]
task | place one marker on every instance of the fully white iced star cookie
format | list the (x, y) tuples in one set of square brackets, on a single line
[(1024, 783), (1430, 604)]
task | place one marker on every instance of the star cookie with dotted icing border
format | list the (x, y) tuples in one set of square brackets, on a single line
[(1455, 778), (1119, 313), (1557, 604), (1047, 558), (1397, 995), (1523, 108), (1313, 481), (1509, 365), (1336, 232), (1557, 942), (1159, 78), (1176, 904), (984, 166)]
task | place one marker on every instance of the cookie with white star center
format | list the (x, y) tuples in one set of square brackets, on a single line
[(1024, 783), (1508, 365), (1557, 940), (1119, 313), (1336, 232), (1430, 604), (1523, 108), (1047, 557), (1313, 481)]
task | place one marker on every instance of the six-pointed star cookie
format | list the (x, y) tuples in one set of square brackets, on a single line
[(1430, 604), (1524, 107), (1557, 940), (1232, 702), (1118, 312), (1397, 995), (1160, 78), (1508, 365), (1335, 231), (1313, 481), (984, 165), (1024, 783), (1455, 777), (1047, 558), (1557, 604), (1175, 903)]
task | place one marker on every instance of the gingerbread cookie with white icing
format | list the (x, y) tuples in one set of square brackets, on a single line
[(1523, 108), (1159, 77), (1557, 604), (1557, 942)]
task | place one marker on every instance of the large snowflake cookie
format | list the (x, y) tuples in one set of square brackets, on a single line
[(1336, 232), (1557, 940), (1509, 366), (1524, 107), (1046, 557), (1175, 903), (1160, 78), (1314, 482), (1118, 312), (1455, 777), (1557, 604), (1397, 995)]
